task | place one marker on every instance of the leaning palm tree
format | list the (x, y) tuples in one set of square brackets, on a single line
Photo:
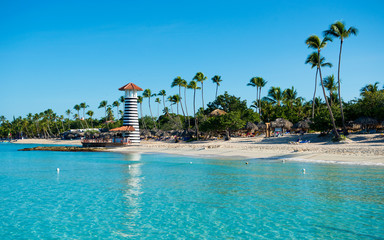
[(330, 85), (140, 101), (148, 94), (338, 30), (178, 81), (103, 104), (314, 42), (313, 59), (201, 78), (217, 79), (184, 84)]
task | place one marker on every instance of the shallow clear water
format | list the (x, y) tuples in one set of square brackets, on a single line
[(117, 196)]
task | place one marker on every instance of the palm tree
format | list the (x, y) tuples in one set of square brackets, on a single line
[(369, 89), (330, 85), (201, 78), (289, 96), (109, 113), (275, 95), (178, 81), (116, 104), (193, 85), (252, 83), (338, 30), (157, 100), (163, 93), (260, 83), (140, 101), (83, 106), (148, 94), (217, 79), (175, 99), (170, 99), (313, 59), (103, 104), (315, 43), (90, 114), (77, 108)]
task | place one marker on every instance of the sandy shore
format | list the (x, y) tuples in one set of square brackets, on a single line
[(366, 149), (48, 141)]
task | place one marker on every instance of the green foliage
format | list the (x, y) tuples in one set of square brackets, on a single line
[(146, 121), (227, 122), (171, 122)]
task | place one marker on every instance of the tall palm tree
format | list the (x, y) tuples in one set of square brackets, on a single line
[(275, 95), (90, 114), (68, 112), (77, 108), (338, 30), (175, 99), (217, 79), (83, 106), (163, 93), (103, 104), (330, 85), (140, 101), (193, 85), (252, 83), (184, 84), (116, 104), (369, 89), (178, 81), (314, 42), (148, 94), (260, 83), (313, 59), (201, 78)]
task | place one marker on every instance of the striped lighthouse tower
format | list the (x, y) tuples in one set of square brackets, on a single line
[(131, 116)]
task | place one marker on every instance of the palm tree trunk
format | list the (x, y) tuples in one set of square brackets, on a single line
[(314, 95), (150, 110), (141, 116), (257, 95), (326, 101), (260, 101), (217, 86), (164, 102), (194, 114), (181, 103), (338, 88), (186, 108), (202, 94)]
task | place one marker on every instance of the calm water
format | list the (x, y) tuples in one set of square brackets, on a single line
[(116, 196)]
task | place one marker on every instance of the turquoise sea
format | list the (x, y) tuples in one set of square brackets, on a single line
[(154, 196)]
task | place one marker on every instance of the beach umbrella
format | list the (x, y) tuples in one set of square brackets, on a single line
[(261, 126), (217, 112)]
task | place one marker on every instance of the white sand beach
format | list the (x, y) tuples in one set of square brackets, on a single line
[(366, 149)]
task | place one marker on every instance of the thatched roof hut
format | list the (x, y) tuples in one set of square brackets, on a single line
[(250, 126), (366, 122), (281, 123), (217, 112), (303, 124), (261, 126)]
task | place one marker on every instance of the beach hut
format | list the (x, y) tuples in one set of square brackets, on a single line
[(251, 128), (303, 125), (366, 122), (280, 125)]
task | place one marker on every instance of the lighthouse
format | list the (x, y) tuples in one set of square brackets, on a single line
[(131, 116)]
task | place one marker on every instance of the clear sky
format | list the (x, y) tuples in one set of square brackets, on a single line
[(55, 54)]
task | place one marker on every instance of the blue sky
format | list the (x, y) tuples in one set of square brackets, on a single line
[(55, 54)]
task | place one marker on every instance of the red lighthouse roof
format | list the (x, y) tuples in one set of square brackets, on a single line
[(130, 86)]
